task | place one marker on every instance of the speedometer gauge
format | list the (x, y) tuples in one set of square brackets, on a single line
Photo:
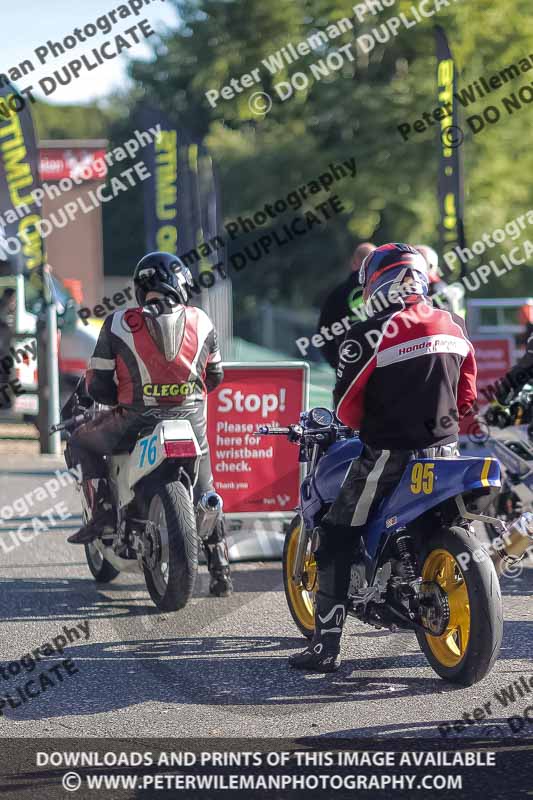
[(321, 416)]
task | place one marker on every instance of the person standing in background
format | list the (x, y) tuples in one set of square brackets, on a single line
[(449, 298), (342, 302), (526, 319)]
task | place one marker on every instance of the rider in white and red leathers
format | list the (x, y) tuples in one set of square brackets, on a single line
[(162, 354)]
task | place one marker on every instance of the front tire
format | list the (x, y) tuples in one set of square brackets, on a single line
[(469, 646), (300, 595), (171, 561)]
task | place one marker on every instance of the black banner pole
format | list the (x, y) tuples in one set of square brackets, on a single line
[(450, 137)]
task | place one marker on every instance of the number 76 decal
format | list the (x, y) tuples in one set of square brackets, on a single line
[(422, 478), (150, 443)]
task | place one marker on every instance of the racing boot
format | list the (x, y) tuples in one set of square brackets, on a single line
[(334, 559), (322, 654), (216, 553), (96, 493)]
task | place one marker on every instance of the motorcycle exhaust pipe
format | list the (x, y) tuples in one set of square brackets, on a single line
[(208, 511), (513, 545)]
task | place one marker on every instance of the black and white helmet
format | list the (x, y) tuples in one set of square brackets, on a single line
[(164, 273)]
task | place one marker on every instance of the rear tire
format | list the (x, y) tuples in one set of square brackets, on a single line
[(467, 650), (299, 599), (102, 571), (171, 510)]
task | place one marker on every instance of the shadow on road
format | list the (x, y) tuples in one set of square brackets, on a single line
[(46, 598), (493, 728), (204, 672), (175, 660), (522, 584)]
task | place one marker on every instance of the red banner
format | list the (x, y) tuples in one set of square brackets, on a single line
[(493, 358), (256, 474), (55, 164)]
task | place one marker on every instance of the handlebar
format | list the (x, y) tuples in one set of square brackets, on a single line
[(70, 423), (504, 416), (293, 432), (297, 433)]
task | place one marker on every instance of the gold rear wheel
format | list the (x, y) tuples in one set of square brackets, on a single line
[(300, 594), (466, 649), (442, 568)]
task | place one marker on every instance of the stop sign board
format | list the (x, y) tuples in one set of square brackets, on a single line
[(256, 474)]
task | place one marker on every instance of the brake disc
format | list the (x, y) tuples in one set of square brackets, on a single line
[(434, 607), (152, 545)]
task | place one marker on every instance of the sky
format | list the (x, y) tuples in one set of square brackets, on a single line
[(29, 24)]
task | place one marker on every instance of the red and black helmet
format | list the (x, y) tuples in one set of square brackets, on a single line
[(389, 265)]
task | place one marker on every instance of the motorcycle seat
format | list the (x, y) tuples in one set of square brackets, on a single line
[(128, 445)]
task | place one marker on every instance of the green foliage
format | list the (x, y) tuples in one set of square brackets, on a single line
[(70, 121), (353, 112)]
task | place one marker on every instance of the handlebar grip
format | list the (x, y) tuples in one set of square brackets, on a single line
[(68, 423)]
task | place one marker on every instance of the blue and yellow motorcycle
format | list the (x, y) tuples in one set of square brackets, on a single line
[(420, 566)]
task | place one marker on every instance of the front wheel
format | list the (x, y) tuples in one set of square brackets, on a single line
[(300, 594), (171, 547), (466, 650)]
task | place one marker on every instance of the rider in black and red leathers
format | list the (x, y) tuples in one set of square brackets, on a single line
[(406, 375), (162, 354)]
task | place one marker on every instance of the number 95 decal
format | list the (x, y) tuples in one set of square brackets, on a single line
[(422, 478)]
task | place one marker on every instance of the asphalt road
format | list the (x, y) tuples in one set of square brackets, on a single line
[(217, 668)]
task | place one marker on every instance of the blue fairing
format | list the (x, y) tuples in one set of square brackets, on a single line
[(323, 486), (451, 476)]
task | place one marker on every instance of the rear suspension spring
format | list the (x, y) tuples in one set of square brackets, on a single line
[(405, 557)]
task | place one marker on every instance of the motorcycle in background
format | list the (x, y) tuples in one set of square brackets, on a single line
[(415, 569), (510, 440)]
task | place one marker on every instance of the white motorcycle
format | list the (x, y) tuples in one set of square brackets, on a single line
[(157, 528)]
